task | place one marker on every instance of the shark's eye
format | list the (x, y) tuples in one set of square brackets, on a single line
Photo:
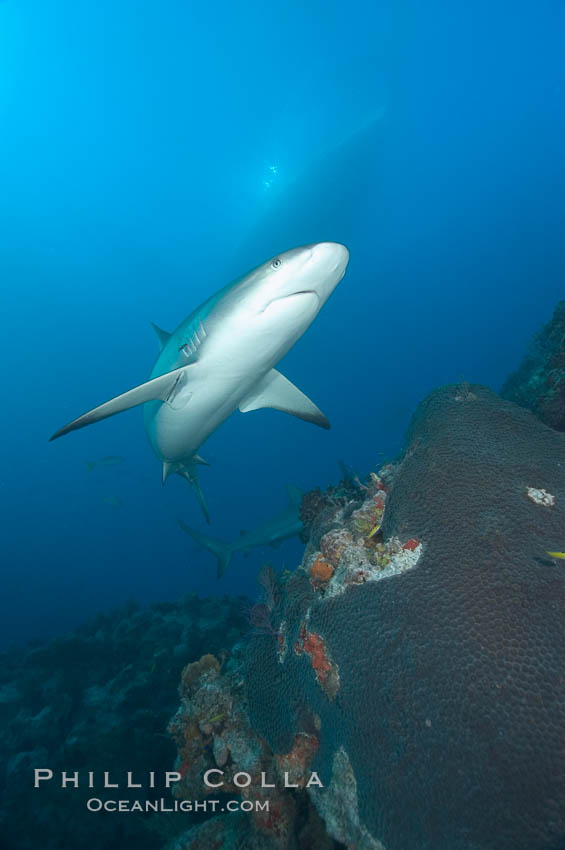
[(276, 263)]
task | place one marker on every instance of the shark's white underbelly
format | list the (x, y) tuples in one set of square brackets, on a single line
[(230, 362), (176, 431)]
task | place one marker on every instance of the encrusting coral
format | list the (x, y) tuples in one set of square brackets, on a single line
[(213, 733)]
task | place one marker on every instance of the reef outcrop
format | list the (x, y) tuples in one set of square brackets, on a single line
[(539, 382), (422, 639), (99, 700)]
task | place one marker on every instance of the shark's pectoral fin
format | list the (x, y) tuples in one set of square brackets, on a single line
[(276, 391), (162, 336), (163, 388)]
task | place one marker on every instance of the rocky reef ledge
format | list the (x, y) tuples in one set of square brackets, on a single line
[(539, 382)]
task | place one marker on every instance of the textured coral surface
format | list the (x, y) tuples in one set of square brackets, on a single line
[(212, 732), (450, 711)]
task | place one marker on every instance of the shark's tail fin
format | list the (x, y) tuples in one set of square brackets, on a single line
[(193, 478), (222, 551), (294, 495)]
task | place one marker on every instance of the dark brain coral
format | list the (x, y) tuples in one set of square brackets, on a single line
[(450, 712)]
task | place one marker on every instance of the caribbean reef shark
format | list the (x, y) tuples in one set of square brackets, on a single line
[(270, 533), (223, 355)]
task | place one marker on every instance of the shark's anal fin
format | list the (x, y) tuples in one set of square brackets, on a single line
[(162, 336), (162, 388), (276, 391)]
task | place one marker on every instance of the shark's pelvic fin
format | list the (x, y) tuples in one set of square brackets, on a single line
[(163, 388), (162, 336), (168, 469), (276, 391), (222, 551), (198, 459)]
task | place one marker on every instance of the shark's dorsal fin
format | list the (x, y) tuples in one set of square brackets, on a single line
[(162, 336), (162, 388), (276, 391)]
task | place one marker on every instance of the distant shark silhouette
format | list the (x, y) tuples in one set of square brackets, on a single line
[(222, 357), (269, 533)]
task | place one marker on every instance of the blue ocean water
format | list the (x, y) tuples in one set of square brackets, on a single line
[(151, 152)]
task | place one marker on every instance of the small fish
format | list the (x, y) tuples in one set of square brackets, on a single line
[(560, 555), (113, 501), (374, 531), (108, 460), (216, 718)]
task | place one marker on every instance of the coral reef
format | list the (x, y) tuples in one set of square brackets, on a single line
[(401, 689), (326, 671), (317, 503), (99, 700), (346, 545), (442, 618), (320, 572), (539, 383)]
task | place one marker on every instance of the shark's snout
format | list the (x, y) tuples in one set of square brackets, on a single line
[(331, 252), (331, 256), (327, 264)]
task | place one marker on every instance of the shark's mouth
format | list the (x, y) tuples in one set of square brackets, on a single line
[(300, 294)]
